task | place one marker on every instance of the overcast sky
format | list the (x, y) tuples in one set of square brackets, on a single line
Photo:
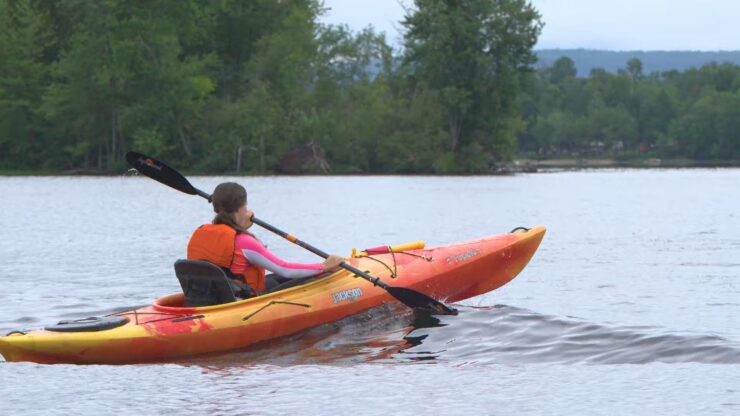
[(707, 25)]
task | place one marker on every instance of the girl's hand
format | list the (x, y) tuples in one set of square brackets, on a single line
[(332, 262)]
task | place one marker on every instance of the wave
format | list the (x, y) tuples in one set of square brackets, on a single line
[(499, 334), (506, 334)]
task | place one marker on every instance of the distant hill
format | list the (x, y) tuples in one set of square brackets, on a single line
[(588, 59)]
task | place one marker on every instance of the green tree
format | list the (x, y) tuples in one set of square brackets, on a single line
[(472, 54), (23, 76), (711, 128), (353, 98), (634, 69), (124, 81), (562, 69), (659, 108)]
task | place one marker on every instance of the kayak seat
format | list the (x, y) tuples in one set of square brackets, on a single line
[(205, 284), (276, 283)]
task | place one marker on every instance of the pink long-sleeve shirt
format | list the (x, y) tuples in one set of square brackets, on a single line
[(250, 251)]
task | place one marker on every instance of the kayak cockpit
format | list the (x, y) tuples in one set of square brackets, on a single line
[(205, 284), (175, 304), (175, 300)]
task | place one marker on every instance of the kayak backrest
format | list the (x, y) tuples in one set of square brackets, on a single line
[(203, 283)]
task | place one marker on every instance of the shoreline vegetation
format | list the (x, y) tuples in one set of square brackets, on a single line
[(519, 166), (262, 87)]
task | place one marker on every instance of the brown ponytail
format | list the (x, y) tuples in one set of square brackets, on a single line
[(227, 218)]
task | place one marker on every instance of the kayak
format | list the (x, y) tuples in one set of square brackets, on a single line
[(167, 329)]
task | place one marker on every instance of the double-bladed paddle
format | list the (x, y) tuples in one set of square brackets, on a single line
[(148, 166)]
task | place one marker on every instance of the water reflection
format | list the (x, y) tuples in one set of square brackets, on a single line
[(499, 334), (376, 335), (415, 339)]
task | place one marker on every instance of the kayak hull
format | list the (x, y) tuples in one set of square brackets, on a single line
[(166, 330)]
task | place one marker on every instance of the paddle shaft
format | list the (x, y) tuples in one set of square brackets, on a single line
[(203, 194), (293, 239)]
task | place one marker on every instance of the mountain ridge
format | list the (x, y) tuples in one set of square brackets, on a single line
[(652, 61)]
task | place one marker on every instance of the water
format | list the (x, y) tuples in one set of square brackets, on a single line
[(630, 305)]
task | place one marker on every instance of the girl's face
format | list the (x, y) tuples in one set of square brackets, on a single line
[(244, 217)]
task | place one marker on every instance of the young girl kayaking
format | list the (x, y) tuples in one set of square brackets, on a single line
[(228, 243)]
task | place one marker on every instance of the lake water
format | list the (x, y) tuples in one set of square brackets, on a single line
[(630, 306)]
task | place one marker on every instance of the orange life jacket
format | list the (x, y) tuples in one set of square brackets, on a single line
[(215, 243)]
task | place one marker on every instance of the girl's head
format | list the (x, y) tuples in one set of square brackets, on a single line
[(230, 205)]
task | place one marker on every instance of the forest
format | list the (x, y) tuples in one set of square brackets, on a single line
[(694, 114), (261, 87)]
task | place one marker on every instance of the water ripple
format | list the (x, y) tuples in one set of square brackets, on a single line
[(482, 336), (507, 334)]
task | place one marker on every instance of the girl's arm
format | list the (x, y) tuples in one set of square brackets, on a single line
[(257, 254)]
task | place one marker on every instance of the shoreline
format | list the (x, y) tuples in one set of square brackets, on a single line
[(509, 168), (609, 163)]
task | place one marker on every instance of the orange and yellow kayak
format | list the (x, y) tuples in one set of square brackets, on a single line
[(167, 330)]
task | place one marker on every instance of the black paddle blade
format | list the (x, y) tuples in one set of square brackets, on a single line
[(151, 167), (420, 301)]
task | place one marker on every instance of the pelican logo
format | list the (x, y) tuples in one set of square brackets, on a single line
[(150, 163), (457, 258), (349, 294)]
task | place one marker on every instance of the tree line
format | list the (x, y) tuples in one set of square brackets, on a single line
[(261, 86), (694, 114)]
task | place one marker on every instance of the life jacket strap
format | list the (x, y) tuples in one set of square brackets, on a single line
[(239, 285)]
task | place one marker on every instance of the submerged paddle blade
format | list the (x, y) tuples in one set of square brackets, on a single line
[(420, 301), (151, 167)]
